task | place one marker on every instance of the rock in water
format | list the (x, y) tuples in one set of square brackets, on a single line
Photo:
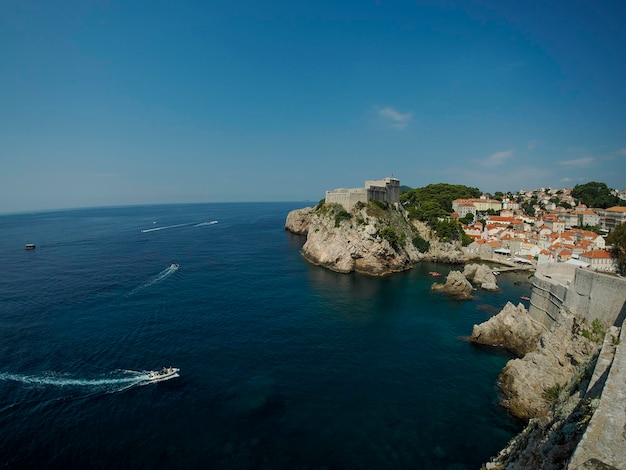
[(512, 328), (481, 275), (456, 285)]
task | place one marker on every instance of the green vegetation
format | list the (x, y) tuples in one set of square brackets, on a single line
[(450, 230), (441, 194), (390, 234), (341, 215), (597, 332), (617, 239), (552, 394), (433, 204), (595, 194), (421, 244)]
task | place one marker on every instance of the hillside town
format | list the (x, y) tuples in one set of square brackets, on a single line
[(540, 226)]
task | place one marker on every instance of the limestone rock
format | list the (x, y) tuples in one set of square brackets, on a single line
[(298, 220), (456, 285), (481, 276), (441, 252), (511, 328), (368, 240), (559, 354)]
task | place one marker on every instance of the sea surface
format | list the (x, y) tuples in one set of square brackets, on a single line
[(283, 365)]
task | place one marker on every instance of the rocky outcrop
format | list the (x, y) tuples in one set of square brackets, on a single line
[(559, 355), (481, 276), (369, 239), (456, 285), (298, 220), (439, 251), (512, 328)]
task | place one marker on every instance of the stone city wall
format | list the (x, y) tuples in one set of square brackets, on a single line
[(586, 293)]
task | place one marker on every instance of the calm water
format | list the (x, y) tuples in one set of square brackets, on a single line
[(283, 364)]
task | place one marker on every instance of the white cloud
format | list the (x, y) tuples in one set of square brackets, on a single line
[(565, 180), (496, 159), (622, 151), (532, 144), (394, 119), (585, 161)]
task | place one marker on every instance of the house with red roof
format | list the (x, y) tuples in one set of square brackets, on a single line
[(600, 260)]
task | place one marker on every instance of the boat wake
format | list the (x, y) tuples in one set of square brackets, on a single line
[(156, 229), (195, 224), (123, 380), (171, 269), (202, 224)]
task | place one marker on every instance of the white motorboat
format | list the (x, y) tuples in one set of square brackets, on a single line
[(174, 266), (164, 373)]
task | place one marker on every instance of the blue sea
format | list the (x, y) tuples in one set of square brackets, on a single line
[(283, 365)]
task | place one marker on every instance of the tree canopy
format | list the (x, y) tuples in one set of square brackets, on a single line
[(617, 238), (438, 195), (595, 194)]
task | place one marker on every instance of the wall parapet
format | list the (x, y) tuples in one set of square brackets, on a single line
[(592, 295)]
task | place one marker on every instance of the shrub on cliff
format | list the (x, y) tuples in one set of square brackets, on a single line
[(390, 234), (422, 245)]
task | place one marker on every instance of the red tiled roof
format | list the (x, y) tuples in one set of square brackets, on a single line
[(597, 254)]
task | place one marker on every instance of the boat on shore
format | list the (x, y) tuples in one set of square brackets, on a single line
[(523, 297), (164, 373)]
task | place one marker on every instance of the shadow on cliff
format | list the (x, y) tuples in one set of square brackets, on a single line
[(621, 316)]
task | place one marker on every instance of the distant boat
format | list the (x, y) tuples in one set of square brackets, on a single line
[(496, 273), (30, 246), (174, 266), (435, 273), (523, 297), (164, 373)]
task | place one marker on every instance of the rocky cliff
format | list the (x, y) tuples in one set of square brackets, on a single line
[(548, 385), (370, 239)]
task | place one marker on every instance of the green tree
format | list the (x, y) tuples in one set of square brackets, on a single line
[(467, 219), (441, 193), (595, 194), (617, 238)]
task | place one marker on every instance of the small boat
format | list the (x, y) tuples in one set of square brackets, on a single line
[(30, 246), (523, 297), (435, 273), (164, 373), (496, 273), (174, 266)]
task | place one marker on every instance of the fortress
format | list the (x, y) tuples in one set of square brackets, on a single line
[(387, 190)]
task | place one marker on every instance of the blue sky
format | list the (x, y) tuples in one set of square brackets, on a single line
[(113, 103)]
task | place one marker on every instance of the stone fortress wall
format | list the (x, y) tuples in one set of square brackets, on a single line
[(594, 296), (589, 294), (387, 190)]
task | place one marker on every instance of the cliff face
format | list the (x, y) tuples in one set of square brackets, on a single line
[(368, 240), (558, 357)]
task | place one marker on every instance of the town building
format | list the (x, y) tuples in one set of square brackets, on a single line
[(612, 217)]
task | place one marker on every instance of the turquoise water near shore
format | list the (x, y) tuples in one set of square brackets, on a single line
[(283, 364)]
